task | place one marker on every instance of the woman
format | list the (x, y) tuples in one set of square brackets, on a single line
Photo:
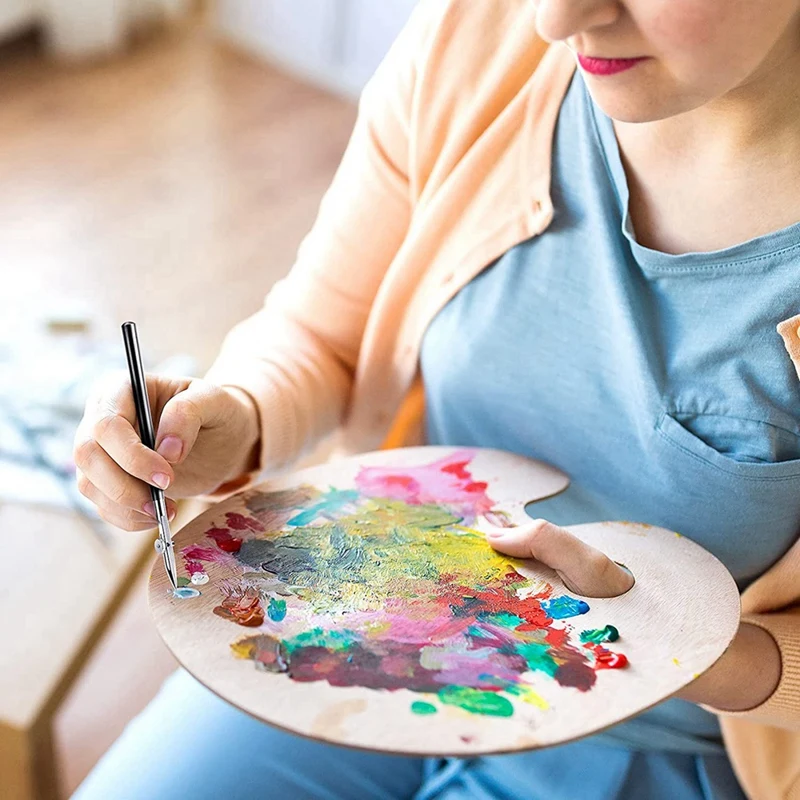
[(578, 252)]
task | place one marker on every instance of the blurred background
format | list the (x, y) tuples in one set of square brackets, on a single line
[(160, 161)]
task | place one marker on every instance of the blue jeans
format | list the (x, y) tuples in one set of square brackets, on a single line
[(190, 744)]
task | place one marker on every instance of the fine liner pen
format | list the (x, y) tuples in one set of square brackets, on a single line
[(163, 544)]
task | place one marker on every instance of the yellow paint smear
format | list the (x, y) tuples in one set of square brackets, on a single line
[(528, 695), (243, 649)]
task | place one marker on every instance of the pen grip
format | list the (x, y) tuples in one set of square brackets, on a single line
[(138, 385)]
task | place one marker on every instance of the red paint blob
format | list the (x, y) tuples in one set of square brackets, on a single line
[(224, 540), (576, 674), (609, 660), (406, 481), (459, 469), (558, 637), (239, 522)]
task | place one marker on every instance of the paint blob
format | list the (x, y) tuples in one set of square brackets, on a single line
[(199, 578), (241, 605), (225, 540), (608, 660), (186, 592), (477, 701), (276, 610), (564, 607), (597, 635), (391, 589)]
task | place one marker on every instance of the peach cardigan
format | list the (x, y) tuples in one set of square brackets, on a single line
[(448, 167)]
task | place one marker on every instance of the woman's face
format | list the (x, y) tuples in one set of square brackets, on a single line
[(695, 51)]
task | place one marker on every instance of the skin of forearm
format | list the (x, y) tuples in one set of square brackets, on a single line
[(249, 455), (744, 677)]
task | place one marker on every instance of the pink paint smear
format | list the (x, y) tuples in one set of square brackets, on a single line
[(446, 482)]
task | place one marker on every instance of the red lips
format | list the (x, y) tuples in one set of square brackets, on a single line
[(607, 66)]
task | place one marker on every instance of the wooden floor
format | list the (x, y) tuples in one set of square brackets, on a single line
[(170, 186)]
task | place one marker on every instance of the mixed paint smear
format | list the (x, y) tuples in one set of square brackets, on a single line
[(391, 589)]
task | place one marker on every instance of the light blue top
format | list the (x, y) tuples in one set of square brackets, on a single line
[(657, 382)]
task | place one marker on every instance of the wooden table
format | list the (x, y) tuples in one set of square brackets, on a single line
[(50, 620)]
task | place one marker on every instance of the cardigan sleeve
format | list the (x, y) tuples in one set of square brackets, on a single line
[(297, 355), (782, 708)]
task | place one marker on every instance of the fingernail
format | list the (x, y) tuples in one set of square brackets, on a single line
[(496, 534), (170, 448), (149, 508), (171, 514), (160, 479)]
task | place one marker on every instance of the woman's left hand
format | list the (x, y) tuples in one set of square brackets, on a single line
[(744, 676)]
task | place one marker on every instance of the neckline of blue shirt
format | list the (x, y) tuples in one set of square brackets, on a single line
[(752, 255)]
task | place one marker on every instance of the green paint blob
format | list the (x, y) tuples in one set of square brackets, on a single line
[(418, 707), (537, 654), (503, 618), (276, 609), (182, 581), (598, 635), (476, 701), (317, 637)]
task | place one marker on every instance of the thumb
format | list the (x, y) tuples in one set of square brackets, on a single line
[(583, 568), (199, 405)]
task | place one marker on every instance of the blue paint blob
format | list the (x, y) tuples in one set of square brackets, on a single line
[(276, 610), (185, 592), (564, 606), (332, 501)]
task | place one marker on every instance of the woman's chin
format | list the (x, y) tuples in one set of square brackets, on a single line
[(645, 103)]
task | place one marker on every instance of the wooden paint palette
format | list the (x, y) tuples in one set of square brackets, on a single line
[(358, 603)]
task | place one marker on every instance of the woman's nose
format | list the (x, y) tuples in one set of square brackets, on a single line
[(558, 20)]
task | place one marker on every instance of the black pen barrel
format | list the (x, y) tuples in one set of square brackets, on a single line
[(138, 384)]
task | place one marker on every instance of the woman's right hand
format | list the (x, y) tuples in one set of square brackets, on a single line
[(206, 435)]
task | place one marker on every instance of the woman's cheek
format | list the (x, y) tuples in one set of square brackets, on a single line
[(682, 26)]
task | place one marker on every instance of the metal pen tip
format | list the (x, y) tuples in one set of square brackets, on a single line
[(167, 549), (171, 575)]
